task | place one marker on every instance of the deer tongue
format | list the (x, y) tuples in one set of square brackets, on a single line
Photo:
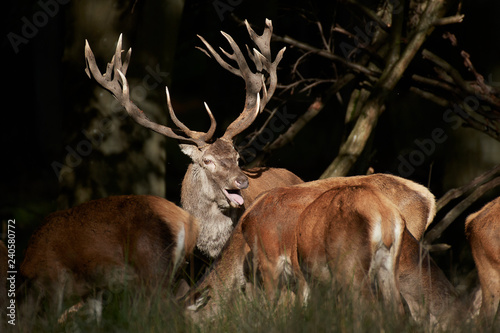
[(234, 197)]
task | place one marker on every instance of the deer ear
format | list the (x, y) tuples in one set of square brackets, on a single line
[(191, 151)]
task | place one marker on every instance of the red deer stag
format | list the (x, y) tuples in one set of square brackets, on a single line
[(214, 189), (483, 232), (107, 242), (276, 214)]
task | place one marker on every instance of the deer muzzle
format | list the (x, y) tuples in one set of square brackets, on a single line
[(234, 195)]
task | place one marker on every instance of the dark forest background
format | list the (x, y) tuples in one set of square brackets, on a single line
[(64, 140)]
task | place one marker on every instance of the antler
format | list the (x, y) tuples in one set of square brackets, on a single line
[(114, 81), (255, 82)]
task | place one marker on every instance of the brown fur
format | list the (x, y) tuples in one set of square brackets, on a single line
[(264, 179), (335, 238), (202, 190), (483, 232), (281, 208), (414, 201), (425, 288), (106, 242)]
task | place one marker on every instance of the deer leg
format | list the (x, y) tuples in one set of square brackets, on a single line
[(270, 278), (490, 286), (95, 306), (303, 290), (383, 270), (383, 277)]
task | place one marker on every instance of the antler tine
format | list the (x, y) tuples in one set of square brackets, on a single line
[(245, 119), (192, 134), (263, 42), (254, 82), (263, 58), (114, 81), (213, 123), (140, 117), (218, 58)]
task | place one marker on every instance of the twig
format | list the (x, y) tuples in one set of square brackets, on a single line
[(355, 143), (454, 73), (449, 20), (314, 84), (326, 54), (485, 92), (431, 97), (287, 137), (370, 13), (312, 111), (299, 60), (458, 192), (435, 83), (321, 33)]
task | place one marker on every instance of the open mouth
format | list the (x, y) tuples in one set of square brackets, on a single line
[(234, 197)]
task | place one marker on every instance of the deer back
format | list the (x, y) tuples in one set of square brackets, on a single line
[(90, 245), (415, 202), (264, 179)]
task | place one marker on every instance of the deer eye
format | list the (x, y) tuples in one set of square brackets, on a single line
[(207, 161)]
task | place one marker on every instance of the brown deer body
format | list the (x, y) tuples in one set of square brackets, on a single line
[(107, 242), (214, 186), (483, 232), (278, 212), (349, 234)]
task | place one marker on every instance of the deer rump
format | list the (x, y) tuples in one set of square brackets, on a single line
[(349, 234), (269, 227), (108, 242)]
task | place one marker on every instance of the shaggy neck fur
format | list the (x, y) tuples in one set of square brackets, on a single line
[(201, 197)]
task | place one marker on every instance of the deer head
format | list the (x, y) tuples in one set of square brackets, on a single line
[(216, 159)]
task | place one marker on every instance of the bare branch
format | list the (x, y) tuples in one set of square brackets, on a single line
[(370, 14), (435, 83), (458, 192), (452, 215), (367, 120), (312, 111), (430, 96), (449, 20), (326, 54)]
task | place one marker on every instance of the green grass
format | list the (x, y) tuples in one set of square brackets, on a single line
[(329, 310)]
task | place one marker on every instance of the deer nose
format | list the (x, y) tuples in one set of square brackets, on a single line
[(241, 182)]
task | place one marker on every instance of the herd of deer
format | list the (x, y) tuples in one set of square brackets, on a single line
[(361, 232)]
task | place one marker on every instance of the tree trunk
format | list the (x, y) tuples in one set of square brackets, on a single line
[(106, 153)]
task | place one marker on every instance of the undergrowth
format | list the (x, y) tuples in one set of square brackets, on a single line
[(328, 310)]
